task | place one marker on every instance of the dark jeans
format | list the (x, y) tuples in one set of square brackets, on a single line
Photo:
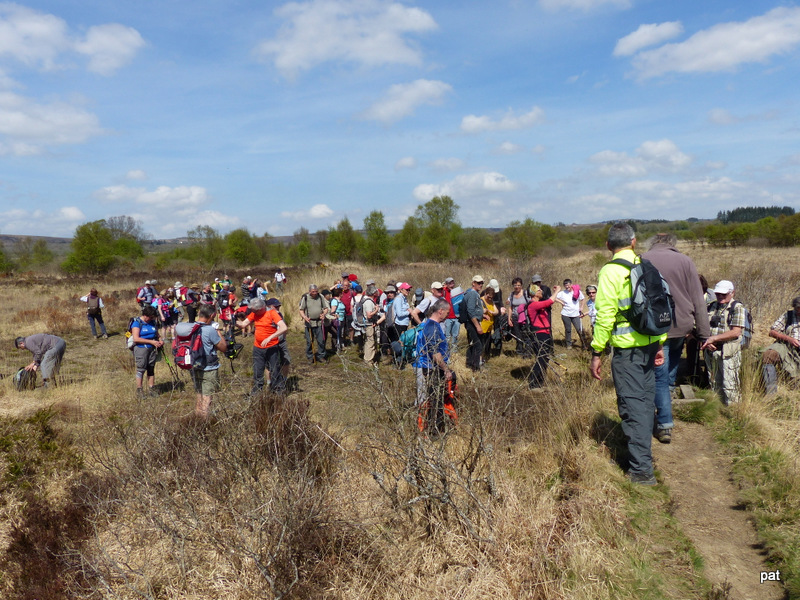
[(99, 318), (433, 407), (542, 352), (475, 346), (633, 370), (316, 334), (268, 358), (666, 375), (191, 312)]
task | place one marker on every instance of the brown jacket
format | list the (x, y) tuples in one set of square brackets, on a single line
[(684, 284)]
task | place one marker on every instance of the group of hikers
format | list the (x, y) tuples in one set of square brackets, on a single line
[(405, 325)]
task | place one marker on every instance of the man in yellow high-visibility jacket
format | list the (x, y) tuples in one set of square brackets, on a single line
[(634, 354)]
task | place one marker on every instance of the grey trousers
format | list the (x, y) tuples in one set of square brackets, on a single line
[(633, 370), (51, 361)]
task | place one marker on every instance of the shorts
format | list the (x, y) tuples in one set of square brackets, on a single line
[(206, 382), (145, 358)]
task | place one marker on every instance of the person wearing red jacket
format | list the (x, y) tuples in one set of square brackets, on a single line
[(541, 334)]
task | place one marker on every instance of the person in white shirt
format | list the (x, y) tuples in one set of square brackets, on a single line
[(571, 299)]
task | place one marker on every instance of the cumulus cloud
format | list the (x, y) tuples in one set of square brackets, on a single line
[(60, 222), (585, 5), (183, 201), (407, 162), (364, 32), (38, 39), (27, 127), (447, 164), (510, 121), (318, 211), (109, 47), (647, 35), (661, 155), (466, 185), (725, 46), (402, 99)]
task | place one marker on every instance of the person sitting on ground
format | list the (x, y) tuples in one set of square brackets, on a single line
[(541, 335), (722, 349), (785, 351), (48, 352), (206, 382), (94, 312), (571, 298), (145, 350)]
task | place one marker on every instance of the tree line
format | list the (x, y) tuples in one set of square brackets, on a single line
[(432, 233)]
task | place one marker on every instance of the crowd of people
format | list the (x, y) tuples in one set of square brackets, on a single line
[(403, 325)]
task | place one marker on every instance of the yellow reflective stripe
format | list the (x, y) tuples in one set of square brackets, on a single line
[(624, 302), (622, 330)]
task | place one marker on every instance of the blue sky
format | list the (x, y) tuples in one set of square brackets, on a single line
[(273, 116)]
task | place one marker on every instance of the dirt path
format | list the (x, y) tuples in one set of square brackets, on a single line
[(709, 512)]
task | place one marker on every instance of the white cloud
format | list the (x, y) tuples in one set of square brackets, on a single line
[(60, 222), (647, 35), (720, 116), (110, 47), (661, 155), (466, 185), (407, 162), (585, 5), (475, 124), (402, 99), (136, 174), (447, 164), (318, 211), (183, 201), (28, 128), (366, 32), (38, 39), (508, 148), (725, 46), (31, 37)]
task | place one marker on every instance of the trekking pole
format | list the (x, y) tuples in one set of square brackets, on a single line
[(173, 371)]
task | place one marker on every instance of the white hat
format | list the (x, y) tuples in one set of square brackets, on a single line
[(494, 285), (723, 287), (437, 285)]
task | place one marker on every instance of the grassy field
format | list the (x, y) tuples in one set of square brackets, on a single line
[(330, 493)]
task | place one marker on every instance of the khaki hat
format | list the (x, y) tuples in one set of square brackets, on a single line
[(437, 285), (477, 279)]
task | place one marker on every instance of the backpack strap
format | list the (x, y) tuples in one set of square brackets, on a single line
[(622, 262)]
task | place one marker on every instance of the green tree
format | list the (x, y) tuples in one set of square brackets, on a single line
[(342, 242), (241, 248), (23, 252), (376, 244), (6, 265), (407, 241), (41, 254), (440, 229), (522, 240), (206, 245), (124, 226), (92, 249), (477, 241)]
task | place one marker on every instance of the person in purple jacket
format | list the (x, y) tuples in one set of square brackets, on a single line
[(680, 273)]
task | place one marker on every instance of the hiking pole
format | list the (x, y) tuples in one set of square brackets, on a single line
[(173, 370)]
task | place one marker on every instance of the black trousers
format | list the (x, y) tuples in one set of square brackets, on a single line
[(475, 349)]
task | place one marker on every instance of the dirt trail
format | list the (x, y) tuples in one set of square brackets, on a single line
[(709, 512)]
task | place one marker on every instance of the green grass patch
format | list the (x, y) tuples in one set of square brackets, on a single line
[(771, 492)]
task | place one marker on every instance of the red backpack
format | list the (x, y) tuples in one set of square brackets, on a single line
[(188, 349)]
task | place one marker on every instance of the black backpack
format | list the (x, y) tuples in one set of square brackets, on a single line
[(24, 380), (652, 308)]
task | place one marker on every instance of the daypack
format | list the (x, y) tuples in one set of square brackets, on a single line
[(129, 343), (526, 317), (747, 330), (389, 314), (652, 307), (188, 349), (24, 380), (408, 341), (359, 318), (93, 305), (463, 313), (223, 298)]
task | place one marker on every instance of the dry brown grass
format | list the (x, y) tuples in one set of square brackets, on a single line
[(331, 493)]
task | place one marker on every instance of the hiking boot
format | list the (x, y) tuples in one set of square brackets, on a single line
[(643, 479), (151, 393), (139, 393), (664, 435), (105, 336)]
